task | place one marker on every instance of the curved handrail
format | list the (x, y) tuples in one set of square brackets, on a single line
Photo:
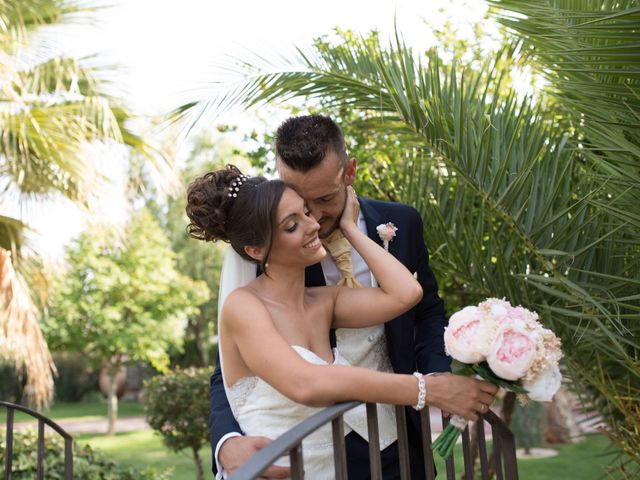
[(285, 442), (63, 433), (42, 421)]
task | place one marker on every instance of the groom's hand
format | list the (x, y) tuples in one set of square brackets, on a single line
[(463, 396), (237, 450)]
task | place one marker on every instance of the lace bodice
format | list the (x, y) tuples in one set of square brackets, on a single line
[(262, 410)]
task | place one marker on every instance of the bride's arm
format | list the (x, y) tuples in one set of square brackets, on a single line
[(398, 292), (248, 325)]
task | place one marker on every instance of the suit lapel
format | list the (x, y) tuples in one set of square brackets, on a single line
[(314, 277)]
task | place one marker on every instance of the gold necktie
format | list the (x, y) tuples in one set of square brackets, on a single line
[(340, 250)]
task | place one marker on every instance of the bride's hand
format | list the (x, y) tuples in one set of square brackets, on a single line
[(351, 209)]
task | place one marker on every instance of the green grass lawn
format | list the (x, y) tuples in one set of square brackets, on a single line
[(144, 448), (582, 461), (84, 410)]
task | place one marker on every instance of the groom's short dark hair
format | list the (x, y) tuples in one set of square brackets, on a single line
[(303, 142)]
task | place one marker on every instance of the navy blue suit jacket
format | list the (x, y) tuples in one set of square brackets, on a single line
[(415, 339)]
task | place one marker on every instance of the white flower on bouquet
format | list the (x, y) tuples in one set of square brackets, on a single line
[(495, 308), (548, 353), (545, 385), (512, 352), (467, 338)]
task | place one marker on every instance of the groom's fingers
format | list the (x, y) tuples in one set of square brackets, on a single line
[(273, 472), (459, 395), (237, 450), (276, 472)]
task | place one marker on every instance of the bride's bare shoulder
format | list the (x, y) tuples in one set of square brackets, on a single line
[(324, 294), (242, 301)]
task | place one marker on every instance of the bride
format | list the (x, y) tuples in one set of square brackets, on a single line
[(277, 363)]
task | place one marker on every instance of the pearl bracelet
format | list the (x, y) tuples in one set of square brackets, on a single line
[(422, 391)]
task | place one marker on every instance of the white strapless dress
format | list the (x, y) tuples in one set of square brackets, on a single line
[(262, 410)]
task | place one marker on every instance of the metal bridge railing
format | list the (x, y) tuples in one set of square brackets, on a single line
[(501, 462), (42, 421)]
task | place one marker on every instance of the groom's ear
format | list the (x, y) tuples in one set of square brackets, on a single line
[(350, 172), (257, 253)]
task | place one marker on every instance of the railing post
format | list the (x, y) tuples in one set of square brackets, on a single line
[(8, 463), (466, 454), (40, 465), (339, 448), (509, 453), (497, 451), (375, 462), (450, 466), (68, 458), (403, 443), (425, 426), (297, 464), (482, 449)]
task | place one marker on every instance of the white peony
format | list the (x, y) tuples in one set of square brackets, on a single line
[(512, 352), (468, 336), (496, 308), (545, 385)]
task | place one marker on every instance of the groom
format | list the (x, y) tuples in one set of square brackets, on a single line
[(311, 158)]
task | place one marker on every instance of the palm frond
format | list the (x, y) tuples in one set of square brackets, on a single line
[(20, 335), (11, 234)]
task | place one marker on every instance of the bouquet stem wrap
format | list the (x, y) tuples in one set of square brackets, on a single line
[(445, 442), (443, 445)]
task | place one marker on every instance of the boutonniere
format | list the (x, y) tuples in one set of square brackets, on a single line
[(386, 232)]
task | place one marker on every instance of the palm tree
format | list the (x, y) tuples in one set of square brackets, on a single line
[(524, 198), (51, 107)]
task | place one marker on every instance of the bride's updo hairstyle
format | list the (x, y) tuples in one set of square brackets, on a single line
[(226, 205)]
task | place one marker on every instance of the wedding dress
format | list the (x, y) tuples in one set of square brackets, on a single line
[(262, 410)]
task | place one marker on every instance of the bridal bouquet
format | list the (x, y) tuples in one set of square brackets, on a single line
[(504, 345)]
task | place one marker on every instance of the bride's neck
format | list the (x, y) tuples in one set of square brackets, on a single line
[(285, 285)]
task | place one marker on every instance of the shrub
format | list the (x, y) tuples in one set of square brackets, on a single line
[(528, 425), (177, 405), (11, 385), (75, 378), (88, 464)]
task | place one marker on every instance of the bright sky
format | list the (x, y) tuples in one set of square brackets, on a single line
[(168, 47)]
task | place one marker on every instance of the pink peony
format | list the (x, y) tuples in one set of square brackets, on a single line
[(512, 352), (523, 316), (545, 385), (468, 336)]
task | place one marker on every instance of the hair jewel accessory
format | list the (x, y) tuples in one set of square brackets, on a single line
[(234, 188)]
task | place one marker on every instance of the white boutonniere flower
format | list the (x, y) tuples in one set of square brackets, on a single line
[(386, 232)]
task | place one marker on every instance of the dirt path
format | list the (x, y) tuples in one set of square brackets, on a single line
[(127, 424)]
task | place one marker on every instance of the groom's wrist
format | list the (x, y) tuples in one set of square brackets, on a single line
[(216, 454)]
